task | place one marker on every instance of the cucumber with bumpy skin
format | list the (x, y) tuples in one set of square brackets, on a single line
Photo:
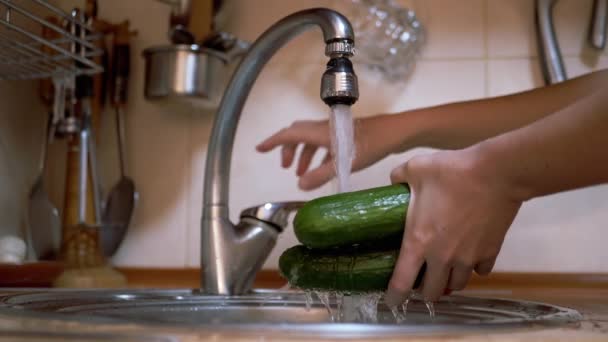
[(370, 217)]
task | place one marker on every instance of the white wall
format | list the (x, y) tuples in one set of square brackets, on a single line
[(476, 48)]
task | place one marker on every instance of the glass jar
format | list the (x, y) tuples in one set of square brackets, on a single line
[(388, 36)]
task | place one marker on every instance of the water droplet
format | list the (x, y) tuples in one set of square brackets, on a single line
[(349, 308), (308, 296), (404, 308), (399, 318), (339, 305), (324, 298), (369, 307), (431, 307)]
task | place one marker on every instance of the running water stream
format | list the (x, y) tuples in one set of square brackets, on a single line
[(342, 144), (350, 307)]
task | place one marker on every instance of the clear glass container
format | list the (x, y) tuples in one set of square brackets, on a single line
[(388, 35)]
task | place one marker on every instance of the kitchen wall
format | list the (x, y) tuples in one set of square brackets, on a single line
[(20, 119), (21, 128), (475, 49)]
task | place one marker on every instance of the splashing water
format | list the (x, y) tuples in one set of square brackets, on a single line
[(404, 308), (369, 307), (431, 307), (309, 300), (355, 307), (342, 144), (324, 298), (398, 316), (350, 308), (339, 306), (363, 307)]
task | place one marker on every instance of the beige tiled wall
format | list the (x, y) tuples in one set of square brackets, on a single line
[(475, 48), (21, 129)]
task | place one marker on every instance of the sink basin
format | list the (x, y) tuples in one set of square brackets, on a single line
[(285, 312)]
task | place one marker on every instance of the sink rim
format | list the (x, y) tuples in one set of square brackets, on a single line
[(17, 300)]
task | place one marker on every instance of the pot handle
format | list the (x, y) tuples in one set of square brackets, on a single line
[(239, 49), (228, 47)]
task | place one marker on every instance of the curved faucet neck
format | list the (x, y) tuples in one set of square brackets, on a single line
[(231, 255), (217, 172)]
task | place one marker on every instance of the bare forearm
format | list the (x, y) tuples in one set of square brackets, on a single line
[(458, 125), (563, 151)]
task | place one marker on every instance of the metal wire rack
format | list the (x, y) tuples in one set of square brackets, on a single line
[(38, 40)]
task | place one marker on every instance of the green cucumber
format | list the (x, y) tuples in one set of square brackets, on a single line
[(339, 270), (369, 217), (329, 270)]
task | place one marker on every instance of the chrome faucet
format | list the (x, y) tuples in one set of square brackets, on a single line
[(552, 64), (232, 254)]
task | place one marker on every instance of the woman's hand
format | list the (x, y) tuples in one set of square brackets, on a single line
[(372, 139), (458, 216)]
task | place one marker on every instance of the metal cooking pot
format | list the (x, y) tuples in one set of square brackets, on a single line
[(191, 70)]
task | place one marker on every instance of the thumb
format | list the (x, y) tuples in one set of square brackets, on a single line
[(401, 173)]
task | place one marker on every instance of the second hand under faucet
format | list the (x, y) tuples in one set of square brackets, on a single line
[(232, 254)]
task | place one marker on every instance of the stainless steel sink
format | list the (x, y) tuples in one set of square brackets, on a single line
[(268, 312)]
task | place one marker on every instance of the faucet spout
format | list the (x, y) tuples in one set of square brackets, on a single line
[(221, 243), (335, 28)]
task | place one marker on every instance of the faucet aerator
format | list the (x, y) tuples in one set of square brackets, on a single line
[(339, 83)]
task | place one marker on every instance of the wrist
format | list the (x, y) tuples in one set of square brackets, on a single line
[(383, 134), (493, 166), (411, 129)]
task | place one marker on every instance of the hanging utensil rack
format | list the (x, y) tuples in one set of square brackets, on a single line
[(25, 54)]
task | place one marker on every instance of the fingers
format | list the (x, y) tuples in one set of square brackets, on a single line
[(485, 267), (406, 270), (459, 277), (400, 174), (435, 281), (305, 158), (317, 177), (287, 154), (411, 255), (310, 132), (273, 141)]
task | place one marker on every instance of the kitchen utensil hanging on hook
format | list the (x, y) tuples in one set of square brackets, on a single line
[(44, 227), (123, 196), (86, 266), (190, 21), (208, 69), (43, 234), (206, 57)]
